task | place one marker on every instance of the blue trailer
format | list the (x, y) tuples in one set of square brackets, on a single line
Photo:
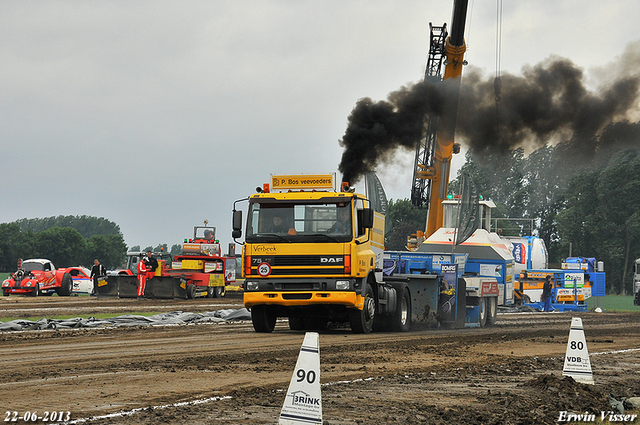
[(448, 289)]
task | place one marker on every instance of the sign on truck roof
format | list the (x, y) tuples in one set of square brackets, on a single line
[(307, 181)]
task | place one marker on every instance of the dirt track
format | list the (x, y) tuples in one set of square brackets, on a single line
[(511, 373)]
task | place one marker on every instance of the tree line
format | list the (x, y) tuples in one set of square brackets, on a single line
[(65, 240), (578, 196)]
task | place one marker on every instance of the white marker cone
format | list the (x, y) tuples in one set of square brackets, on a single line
[(303, 404), (576, 363)]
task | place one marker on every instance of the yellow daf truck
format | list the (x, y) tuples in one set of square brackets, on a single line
[(314, 254)]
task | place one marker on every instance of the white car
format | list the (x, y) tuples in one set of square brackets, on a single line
[(82, 283)]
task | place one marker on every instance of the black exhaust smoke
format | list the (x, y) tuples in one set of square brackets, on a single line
[(550, 100)]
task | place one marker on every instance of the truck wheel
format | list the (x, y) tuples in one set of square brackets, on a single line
[(35, 292), (211, 293), (492, 311), (5, 293), (361, 321), (218, 292), (482, 306), (66, 287), (296, 324), (263, 318), (402, 315), (191, 291)]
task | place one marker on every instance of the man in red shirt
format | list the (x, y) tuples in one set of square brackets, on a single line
[(142, 277)]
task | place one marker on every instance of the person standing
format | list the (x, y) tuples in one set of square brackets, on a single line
[(546, 293), (97, 271), (142, 277), (152, 265)]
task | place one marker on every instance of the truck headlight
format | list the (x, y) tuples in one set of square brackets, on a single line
[(251, 285), (342, 285)]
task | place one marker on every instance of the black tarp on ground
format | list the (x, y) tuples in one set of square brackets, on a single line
[(171, 318)]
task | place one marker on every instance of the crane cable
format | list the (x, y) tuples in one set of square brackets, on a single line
[(497, 82)]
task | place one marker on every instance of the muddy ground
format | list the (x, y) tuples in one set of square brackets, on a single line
[(226, 373)]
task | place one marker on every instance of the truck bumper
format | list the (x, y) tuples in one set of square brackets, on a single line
[(304, 298)]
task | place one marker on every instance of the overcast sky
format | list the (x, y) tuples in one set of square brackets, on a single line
[(157, 115)]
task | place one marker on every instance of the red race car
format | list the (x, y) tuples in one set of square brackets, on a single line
[(38, 276)]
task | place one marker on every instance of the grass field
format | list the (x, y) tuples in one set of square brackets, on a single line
[(614, 303)]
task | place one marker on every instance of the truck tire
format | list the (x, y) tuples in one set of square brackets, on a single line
[(361, 321), (492, 311), (482, 313), (35, 292), (263, 318), (296, 324), (66, 287), (5, 293), (402, 317)]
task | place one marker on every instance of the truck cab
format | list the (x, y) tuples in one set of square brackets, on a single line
[(311, 253)]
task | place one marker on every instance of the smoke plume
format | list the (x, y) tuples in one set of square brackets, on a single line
[(548, 102)]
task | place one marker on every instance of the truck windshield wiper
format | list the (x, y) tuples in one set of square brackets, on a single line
[(263, 235)]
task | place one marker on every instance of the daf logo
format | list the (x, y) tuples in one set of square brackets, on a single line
[(330, 260)]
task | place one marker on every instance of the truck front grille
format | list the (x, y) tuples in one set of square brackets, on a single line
[(300, 265)]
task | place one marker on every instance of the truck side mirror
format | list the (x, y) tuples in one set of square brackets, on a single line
[(366, 218), (237, 224)]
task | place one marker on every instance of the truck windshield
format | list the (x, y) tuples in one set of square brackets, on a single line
[(299, 222)]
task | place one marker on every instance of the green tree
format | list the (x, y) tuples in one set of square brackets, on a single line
[(15, 244), (64, 246), (600, 220), (405, 220), (176, 249), (110, 250), (87, 226)]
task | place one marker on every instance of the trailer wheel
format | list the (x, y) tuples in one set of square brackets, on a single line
[(492, 311), (218, 292), (361, 321), (296, 324), (66, 287), (191, 291), (482, 306), (263, 318), (402, 316)]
